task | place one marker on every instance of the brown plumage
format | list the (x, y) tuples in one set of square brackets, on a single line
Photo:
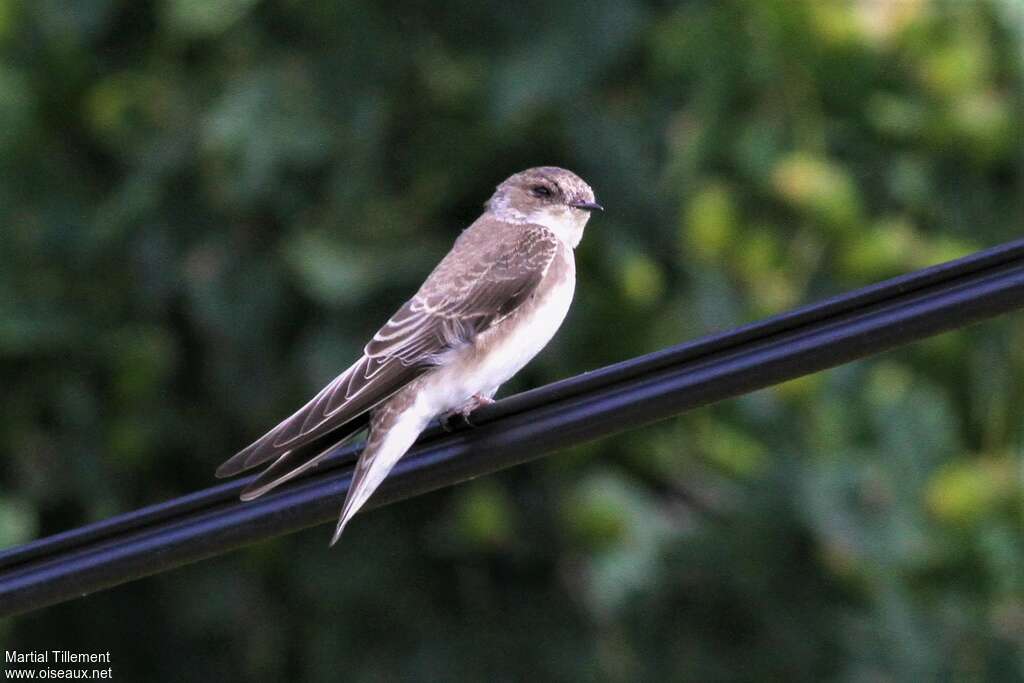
[(440, 351)]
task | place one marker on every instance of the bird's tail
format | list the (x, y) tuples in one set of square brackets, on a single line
[(294, 462), (393, 430)]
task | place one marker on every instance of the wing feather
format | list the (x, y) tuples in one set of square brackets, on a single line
[(479, 283), (443, 317), (349, 396)]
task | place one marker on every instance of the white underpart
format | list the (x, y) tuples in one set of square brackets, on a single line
[(451, 386), (399, 439), (464, 372), (467, 373)]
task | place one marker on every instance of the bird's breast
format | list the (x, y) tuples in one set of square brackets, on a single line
[(500, 352), (503, 351)]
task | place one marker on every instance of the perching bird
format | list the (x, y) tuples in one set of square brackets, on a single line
[(488, 307)]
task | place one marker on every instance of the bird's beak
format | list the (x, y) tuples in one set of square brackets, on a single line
[(587, 206)]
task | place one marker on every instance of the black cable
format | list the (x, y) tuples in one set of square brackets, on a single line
[(526, 426)]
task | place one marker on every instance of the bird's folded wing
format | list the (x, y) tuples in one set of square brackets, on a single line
[(465, 296), (462, 297), (355, 391)]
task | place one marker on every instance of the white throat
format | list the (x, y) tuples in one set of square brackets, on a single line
[(566, 223)]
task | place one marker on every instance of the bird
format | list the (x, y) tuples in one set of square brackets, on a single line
[(491, 304)]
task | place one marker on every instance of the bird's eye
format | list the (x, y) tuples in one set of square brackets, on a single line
[(540, 191)]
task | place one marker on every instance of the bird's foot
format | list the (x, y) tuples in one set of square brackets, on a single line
[(464, 411)]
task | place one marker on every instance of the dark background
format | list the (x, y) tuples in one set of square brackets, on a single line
[(207, 207)]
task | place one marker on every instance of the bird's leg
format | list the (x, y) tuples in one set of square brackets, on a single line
[(475, 401)]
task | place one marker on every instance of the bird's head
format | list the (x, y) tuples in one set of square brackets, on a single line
[(549, 196)]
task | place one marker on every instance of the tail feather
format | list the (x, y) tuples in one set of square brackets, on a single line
[(393, 431), (296, 461)]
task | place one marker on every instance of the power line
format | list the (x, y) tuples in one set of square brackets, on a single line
[(526, 426)]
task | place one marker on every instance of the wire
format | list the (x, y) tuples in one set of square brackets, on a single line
[(526, 426)]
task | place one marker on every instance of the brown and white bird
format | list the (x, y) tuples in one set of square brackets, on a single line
[(488, 307)]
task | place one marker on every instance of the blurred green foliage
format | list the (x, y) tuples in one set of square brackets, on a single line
[(207, 207)]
